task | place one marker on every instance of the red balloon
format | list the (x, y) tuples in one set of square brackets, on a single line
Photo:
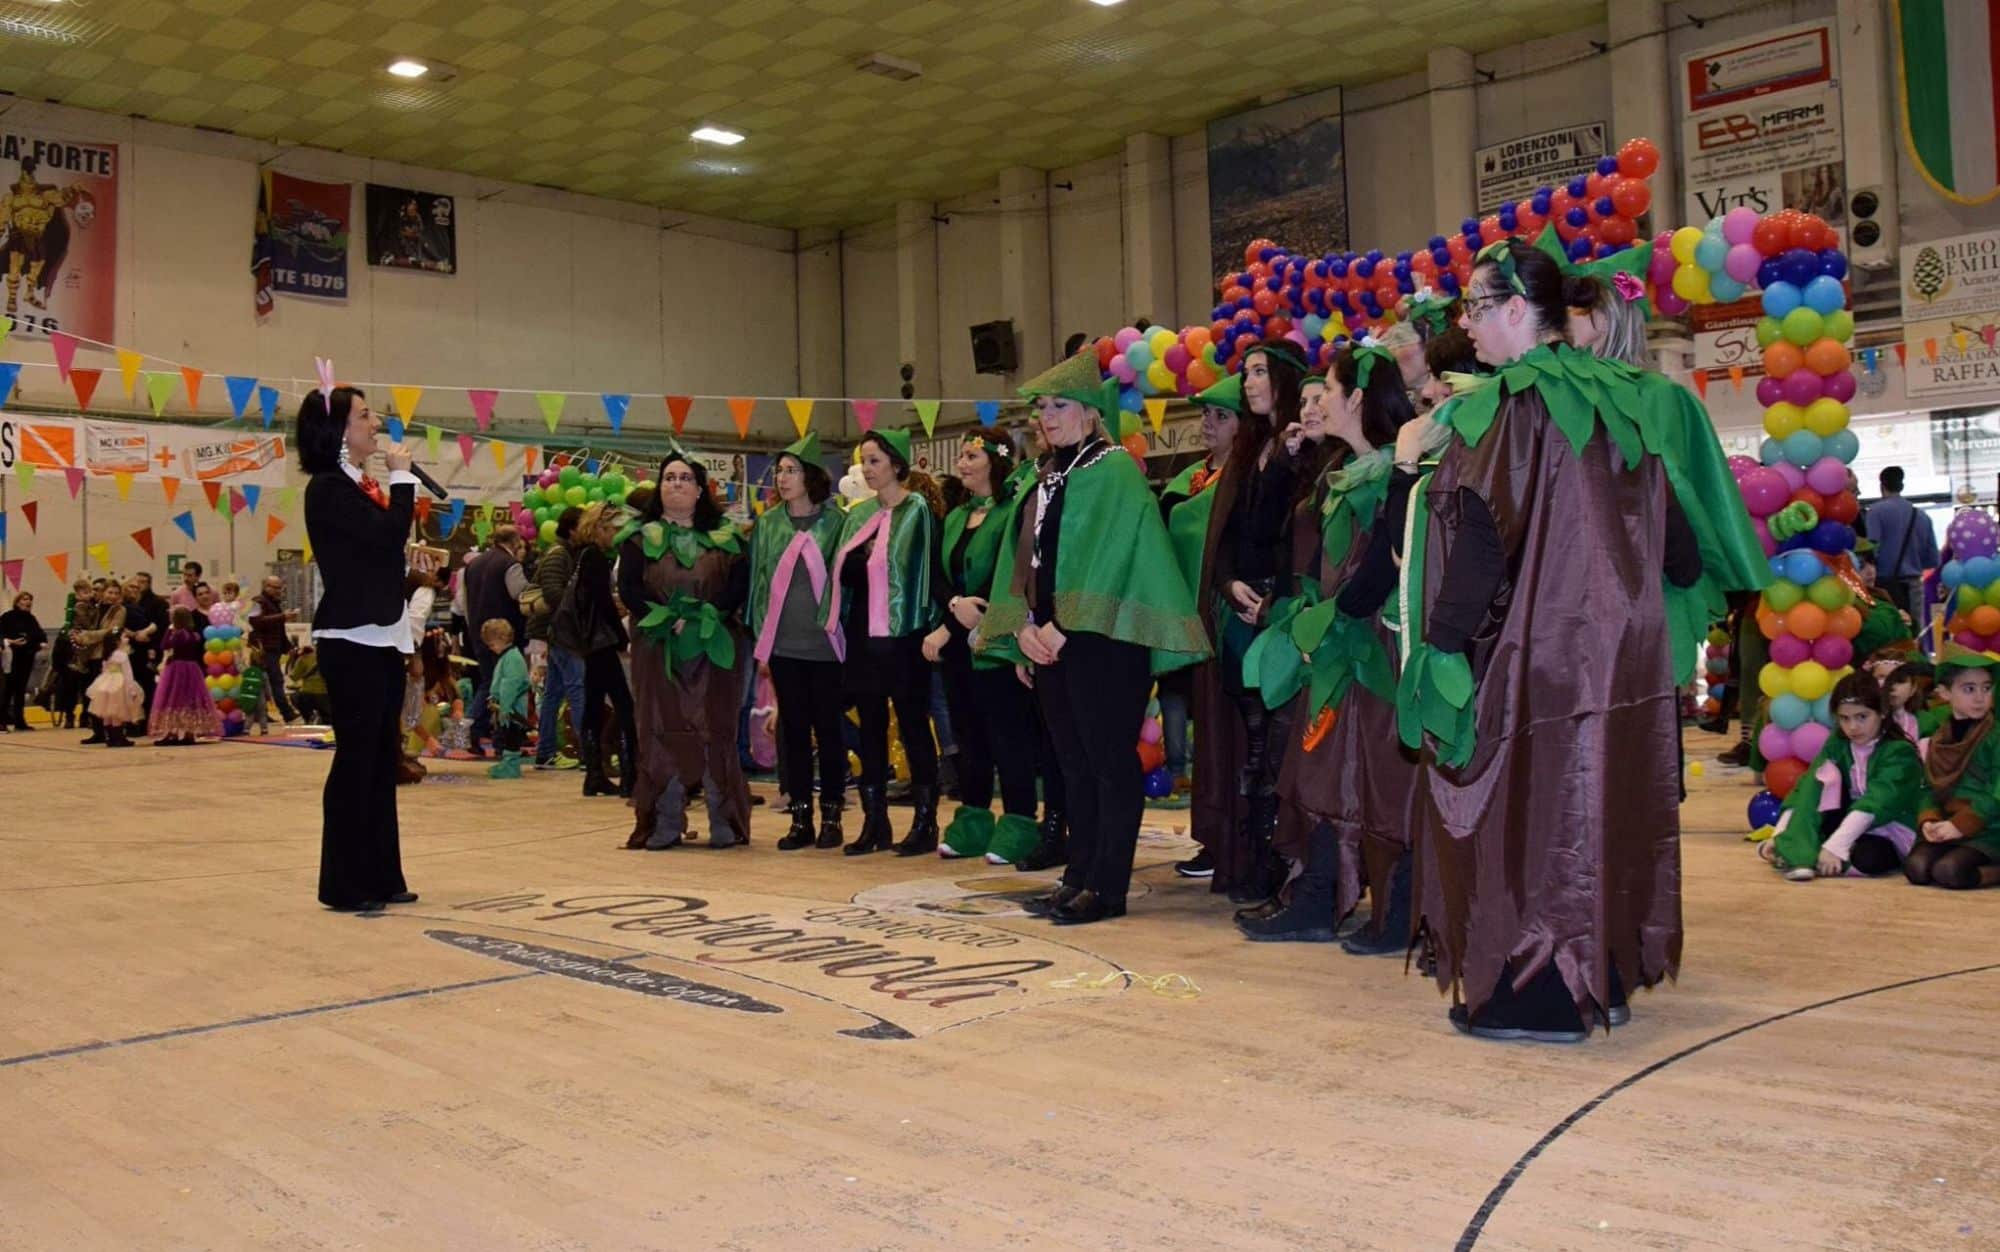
[(1769, 236), (1559, 202), (1618, 230), (1565, 231), (1843, 508), (1632, 197), (1638, 158), (1259, 271), (1806, 495), (1215, 332), (1459, 249), (1265, 302), (1489, 228), (1252, 253), (1422, 262), (1813, 234), (1781, 776), (1531, 222), (1277, 327), (1593, 187)]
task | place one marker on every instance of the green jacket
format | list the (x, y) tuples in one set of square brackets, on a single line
[(510, 685), (912, 542), (1895, 788), (768, 541)]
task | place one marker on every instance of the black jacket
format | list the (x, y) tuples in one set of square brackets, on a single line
[(358, 546)]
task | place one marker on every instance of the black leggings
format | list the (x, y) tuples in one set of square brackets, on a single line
[(882, 672), (604, 679), (1871, 854), (1093, 700), (811, 705), (994, 718), (1952, 865), (14, 706)]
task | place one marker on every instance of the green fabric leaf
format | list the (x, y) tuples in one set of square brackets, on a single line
[(1473, 413), (1452, 676), (1310, 626), (1282, 671)]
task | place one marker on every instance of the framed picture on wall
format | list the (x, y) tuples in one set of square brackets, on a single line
[(1277, 172), (412, 230)]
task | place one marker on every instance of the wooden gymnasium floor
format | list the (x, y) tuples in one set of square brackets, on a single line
[(876, 1053)]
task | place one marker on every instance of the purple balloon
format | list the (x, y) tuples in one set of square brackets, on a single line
[(1972, 533), (1774, 741), (1763, 530), (1738, 225), (1840, 386), (1794, 477), (1739, 465), (1669, 303), (1771, 390), (1808, 739), (1764, 491), (1787, 651), (1802, 387), (1742, 262), (1832, 651), (1827, 476)]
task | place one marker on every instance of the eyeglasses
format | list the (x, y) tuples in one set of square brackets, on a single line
[(1476, 306)]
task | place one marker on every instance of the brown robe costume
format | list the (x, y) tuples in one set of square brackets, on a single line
[(1559, 840), (687, 723), (1217, 806)]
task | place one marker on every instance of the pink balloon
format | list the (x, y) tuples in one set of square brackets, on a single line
[(1827, 476), (1125, 338), (1801, 387), (1660, 270), (1764, 536), (1737, 226), (1770, 390), (1177, 360), (1775, 742), (1121, 369), (1669, 303), (1840, 386), (1149, 731), (1794, 477), (1739, 465), (1808, 739), (1742, 262), (1764, 491), (1966, 639), (1787, 651), (1832, 651)]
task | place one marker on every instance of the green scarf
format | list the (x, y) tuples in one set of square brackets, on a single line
[(984, 547), (1187, 530), (1354, 492), (768, 541), (911, 609), (657, 538)]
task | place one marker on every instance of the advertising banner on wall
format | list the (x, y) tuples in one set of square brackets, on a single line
[(1513, 169), (1762, 129), (147, 453), (61, 233), (302, 230), (412, 230), (1951, 316)]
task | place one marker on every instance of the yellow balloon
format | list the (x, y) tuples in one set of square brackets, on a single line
[(1811, 680), (1774, 680), (1684, 243), (1161, 378), (1826, 416), (1691, 282), (1159, 339), (1784, 418)]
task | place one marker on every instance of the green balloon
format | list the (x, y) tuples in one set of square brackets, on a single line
[(646, 484), (1802, 326), (1768, 331), (541, 513), (1829, 593), (1839, 326), (1783, 595), (615, 486), (548, 532), (576, 496), (570, 476), (596, 494)]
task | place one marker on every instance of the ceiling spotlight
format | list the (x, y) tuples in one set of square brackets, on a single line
[(1105, 4), (406, 68), (715, 134)]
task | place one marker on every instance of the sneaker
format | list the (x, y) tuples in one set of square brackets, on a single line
[(1801, 873), (1200, 865), (559, 761), (1738, 756)]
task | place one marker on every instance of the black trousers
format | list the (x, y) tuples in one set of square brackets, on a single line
[(993, 717), (360, 851), (882, 672), (14, 700), (604, 679), (1093, 699), (811, 704)]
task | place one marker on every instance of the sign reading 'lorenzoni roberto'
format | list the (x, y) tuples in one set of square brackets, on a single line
[(909, 975)]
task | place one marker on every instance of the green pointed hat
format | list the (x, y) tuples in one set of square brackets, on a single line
[(1225, 393), (1077, 379), (1956, 656), (898, 441), (1634, 260), (806, 449)]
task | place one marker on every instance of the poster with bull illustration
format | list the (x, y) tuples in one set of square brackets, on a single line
[(59, 233)]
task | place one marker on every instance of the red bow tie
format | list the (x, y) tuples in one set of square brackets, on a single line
[(373, 490)]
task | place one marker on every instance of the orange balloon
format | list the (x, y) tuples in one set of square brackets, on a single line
[(1827, 357), (1808, 621), (1984, 620), (1196, 338), (1199, 376), (1783, 358), (1769, 624), (1844, 622), (1781, 776)]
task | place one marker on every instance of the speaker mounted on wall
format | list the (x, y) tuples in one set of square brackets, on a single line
[(994, 350)]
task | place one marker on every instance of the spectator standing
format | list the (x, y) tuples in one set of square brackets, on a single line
[(21, 638), (145, 625), (1905, 545), (183, 596), (562, 669), (494, 581), (268, 616)]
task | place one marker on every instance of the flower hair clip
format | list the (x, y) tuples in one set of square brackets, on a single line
[(1628, 286)]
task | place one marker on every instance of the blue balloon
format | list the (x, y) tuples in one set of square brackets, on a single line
[(1265, 254), (1798, 266), (1823, 709), (1542, 202), (1374, 254), (1725, 289), (1130, 401), (1770, 452), (1795, 543), (1274, 283), (1764, 809), (1778, 566), (1981, 571), (1604, 207), (211, 632), (1769, 272), (1781, 298), (1803, 568), (1607, 165), (1832, 263), (1579, 186), (1579, 248), (1711, 252), (1159, 784), (1365, 267), (1825, 295), (1802, 448), (1843, 446), (1448, 283), (1338, 267), (1790, 712), (1139, 355), (1437, 241), (1509, 220), (1951, 574), (1470, 226), (1832, 538)]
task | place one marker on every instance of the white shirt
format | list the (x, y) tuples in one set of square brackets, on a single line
[(396, 634)]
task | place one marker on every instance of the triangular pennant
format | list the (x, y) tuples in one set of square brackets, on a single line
[(144, 538), (1156, 412), (864, 413), (465, 443), (225, 503), (453, 515), (237, 502), (58, 565), (551, 403), (213, 491), (171, 487), (251, 494), (739, 412), (123, 478), (423, 510), (1930, 349), (31, 510), (100, 553), (272, 525), (128, 369), (1701, 383), (1902, 353), (240, 390), (185, 520), (927, 411), (10, 374), (1736, 377), (6, 328), (25, 471), (285, 497), (306, 550), (158, 388), (63, 344), (267, 400), (84, 383), (499, 454), (393, 425), (13, 571), (614, 410), (3, 526), (73, 475), (406, 401), (530, 457), (483, 400), (433, 436), (989, 411), (677, 409), (802, 414), (192, 377)]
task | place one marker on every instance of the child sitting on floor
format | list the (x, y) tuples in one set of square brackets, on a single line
[(508, 696), (1855, 809), (1906, 694), (1959, 820)]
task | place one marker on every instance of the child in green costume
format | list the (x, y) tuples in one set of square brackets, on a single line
[(1855, 810), (1959, 819)]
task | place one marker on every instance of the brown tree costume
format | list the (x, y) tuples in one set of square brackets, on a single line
[(1217, 806)]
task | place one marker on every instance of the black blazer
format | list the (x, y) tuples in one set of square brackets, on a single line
[(358, 546)]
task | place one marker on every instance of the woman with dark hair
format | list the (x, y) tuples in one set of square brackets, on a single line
[(21, 637), (361, 631), (883, 571), (1548, 865), (791, 553), (681, 576), (587, 626), (992, 715), (1238, 742)]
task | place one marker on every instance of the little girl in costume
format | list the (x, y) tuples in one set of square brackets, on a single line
[(182, 705), (1905, 692), (1855, 809), (1959, 820), (115, 698)]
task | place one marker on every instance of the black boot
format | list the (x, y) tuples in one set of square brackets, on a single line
[(1268, 872), (628, 759), (830, 833), (1053, 848), (923, 837), (115, 737), (96, 734), (1388, 932), (875, 836), (1307, 917), (594, 781), (801, 833)]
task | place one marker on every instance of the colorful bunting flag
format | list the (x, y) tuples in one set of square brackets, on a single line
[(25, 471), (158, 388), (483, 400), (272, 525), (988, 410), (1156, 412), (13, 571), (406, 401), (185, 520), (267, 399), (192, 377), (63, 344), (124, 480), (802, 414), (213, 491), (251, 494), (225, 503), (100, 553), (677, 409), (530, 456), (1701, 383), (465, 449), (394, 426), (3, 526), (6, 328), (31, 510), (499, 454), (1736, 377), (144, 538), (551, 403), (864, 413), (84, 383), (927, 411), (128, 369), (740, 408), (58, 565), (454, 514), (237, 503), (433, 435), (171, 487), (10, 374), (614, 410), (240, 390), (73, 475), (285, 497)]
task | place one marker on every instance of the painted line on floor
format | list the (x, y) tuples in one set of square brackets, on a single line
[(1477, 1225)]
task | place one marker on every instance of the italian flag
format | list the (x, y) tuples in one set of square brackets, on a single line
[(1950, 50)]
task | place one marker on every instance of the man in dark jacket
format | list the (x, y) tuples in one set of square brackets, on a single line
[(266, 627)]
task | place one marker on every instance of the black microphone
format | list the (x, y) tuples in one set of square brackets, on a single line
[(430, 484)]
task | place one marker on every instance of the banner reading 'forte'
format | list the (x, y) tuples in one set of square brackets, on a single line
[(60, 241)]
